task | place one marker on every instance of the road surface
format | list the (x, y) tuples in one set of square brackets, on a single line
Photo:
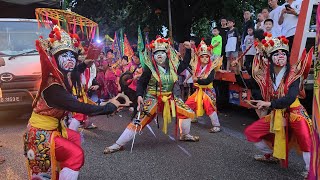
[(224, 155)]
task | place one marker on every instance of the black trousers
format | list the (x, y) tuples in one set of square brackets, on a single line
[(248, 63), (225, 59), (132, 96)]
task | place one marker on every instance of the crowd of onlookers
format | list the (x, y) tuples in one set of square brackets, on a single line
[(227, 41), (102, 82), (279, 20)]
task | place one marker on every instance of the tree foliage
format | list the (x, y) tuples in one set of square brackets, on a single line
[(111, 15)]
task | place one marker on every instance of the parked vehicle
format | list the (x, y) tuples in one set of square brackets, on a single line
[(21, 75)]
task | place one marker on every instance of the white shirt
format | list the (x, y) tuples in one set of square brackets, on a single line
[(190, 80), (248, 41), (290, 21), (275, 15), (279, 78), (231, 45), (261, 26), (93, 74), (202, 70)]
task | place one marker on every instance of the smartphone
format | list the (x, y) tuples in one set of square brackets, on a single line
[(288, 6)]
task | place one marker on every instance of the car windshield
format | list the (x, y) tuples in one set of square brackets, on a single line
[(18, 37)]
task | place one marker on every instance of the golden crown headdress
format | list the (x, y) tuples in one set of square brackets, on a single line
[(60, 40), (160, 44), (204, 49), (272, 44)]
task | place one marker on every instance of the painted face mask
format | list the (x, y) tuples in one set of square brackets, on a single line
[(279, 58), (204, 59), (160, 57), (67, 61)]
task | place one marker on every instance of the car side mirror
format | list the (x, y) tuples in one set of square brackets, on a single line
[(2, 62)]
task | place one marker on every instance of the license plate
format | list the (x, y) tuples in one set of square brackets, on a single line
[(10, 99)]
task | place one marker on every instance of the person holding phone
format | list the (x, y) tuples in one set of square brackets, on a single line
[(289, 19), (275, 15)]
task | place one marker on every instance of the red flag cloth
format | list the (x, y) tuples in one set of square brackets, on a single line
[(128, 51)]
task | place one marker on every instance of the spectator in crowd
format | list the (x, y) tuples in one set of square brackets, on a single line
[(101, 65), (248, 22), (110, 85), (135, 68), (232, 43), (216, 43), (249, 41), (268, 25), (275, 15), (260, 21), (119, 68), (110, 57), (223, 29), (289, 19), (265, 13)]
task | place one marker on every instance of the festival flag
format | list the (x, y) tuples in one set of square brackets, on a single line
[(109, 41), (140, 47), (128, 51), (116, 47), (121, 41)]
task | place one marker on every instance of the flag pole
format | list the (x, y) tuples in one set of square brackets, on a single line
[(170, 21)]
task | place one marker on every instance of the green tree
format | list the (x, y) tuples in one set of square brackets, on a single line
[(112, 15)]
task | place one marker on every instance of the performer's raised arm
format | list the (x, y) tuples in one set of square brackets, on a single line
[(68, 102), (186, 59)]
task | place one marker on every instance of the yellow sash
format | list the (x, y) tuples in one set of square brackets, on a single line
[(279, 150), (47, 123), (166, 109), (199, 97), (82, 93), (166, 113)]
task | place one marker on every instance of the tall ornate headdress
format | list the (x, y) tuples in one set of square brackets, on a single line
[(203, 49), (272, 44), (160, 44), (60, 40)]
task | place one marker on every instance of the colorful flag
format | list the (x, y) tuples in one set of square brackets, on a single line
[(128, 51), (140, 47), (116, 47), (121, 41), (109, 41)]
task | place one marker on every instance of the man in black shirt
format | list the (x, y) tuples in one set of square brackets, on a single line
[(223, 33), (248, 22)]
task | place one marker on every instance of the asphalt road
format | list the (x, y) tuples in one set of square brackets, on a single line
[(225, 155)]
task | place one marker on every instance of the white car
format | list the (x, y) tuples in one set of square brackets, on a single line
[(21, 75)]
